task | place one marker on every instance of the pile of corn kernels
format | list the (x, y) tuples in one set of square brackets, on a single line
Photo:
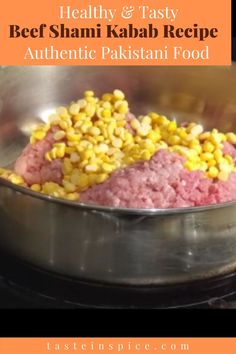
[(94, 138)]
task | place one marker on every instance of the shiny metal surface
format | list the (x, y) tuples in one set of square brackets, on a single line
[(105, 244)]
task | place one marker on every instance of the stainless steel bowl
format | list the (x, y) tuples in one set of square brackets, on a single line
[(122, 246)]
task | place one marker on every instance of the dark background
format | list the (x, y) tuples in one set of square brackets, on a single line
[(233, 30)]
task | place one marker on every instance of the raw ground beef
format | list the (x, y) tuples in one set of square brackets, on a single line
[(230, 150), (162, 182), (33, 167)]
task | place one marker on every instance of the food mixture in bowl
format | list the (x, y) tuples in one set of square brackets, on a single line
[(96, 151)]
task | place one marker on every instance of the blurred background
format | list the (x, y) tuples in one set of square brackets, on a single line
[(234, 49)]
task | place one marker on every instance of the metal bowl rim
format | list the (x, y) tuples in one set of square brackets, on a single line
[(115, 210)]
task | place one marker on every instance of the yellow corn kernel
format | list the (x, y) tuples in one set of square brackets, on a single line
[(92, 140), (108, 168), (148, 145), (128, 138), (74, 109), (35, 187), (172, 126), (16, 179), (99, 138), (82, 103), (208, 146), (118, 95), (154, 116), (78, 124), (206, 156), (224, 166), (53, 153), (94, 131), (111, 128), (204, 136), (101, 148), (162, 120), (92, 179), (123, 108), (73, 137), (119, 117), (163, 144), (82, 181), (231, 138), (39, 134), (60, 148), (182, 133), (211, 163), (118, 103), (70, 149), (223, 137), (87, 154), (73, 178), (106, 113), (73, 144), (64, 125), (229, 159), (69, 187), (197, 148), (88, 93), (85, 144), (223, 176), (62, 111), (50, 187), (67, 167), (102, 177), (196, 130), (72, 196), (90, 109), (74, 157), (91, 168), (204, 165), (59, 135), (61, 152), (218, 154), (117, 143), (107, 97), (79, 116), (184, 151), (213, 172), (146, 120), (174, 140), (215, 138), (154, 136), (143, 130), (47, 156), (137, 139), (107, 105), (145, 155), (54, 119), (189, 165), (193, 142), (120, 132), (86, 126)]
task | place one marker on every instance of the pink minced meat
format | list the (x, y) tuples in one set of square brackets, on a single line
[(33, 166), (163, 182), (230, 150)]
